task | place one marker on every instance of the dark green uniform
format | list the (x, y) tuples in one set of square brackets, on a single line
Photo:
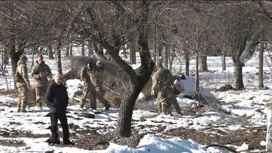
[(40, 72)]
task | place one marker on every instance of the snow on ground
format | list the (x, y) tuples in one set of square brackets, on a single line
[(247, 102)]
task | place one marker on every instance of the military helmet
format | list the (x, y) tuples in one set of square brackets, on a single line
[(99, 64)]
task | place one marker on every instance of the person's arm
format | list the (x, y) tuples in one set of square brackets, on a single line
[(83, 73), (49, 73), (66, 96), (49, 97), (25, 76), (35, 74)]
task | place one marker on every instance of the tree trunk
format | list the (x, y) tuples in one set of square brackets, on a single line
[(261, 85), (67, 51), (59, 57), (99, 50), (132, 53), (238, 66), (187, 63), (155, 43), (126, 108), (50, 52), (203, 64), (33, 61), (160, 49), (15, 57), (90, 50), (239, 76), (6, 57), (171, 58), (123, 128), (70, 49), (197, 76), (223, 59), (82, 49), (166, 56)]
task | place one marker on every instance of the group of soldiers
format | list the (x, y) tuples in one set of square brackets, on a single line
[(92, 76), (40, 72)]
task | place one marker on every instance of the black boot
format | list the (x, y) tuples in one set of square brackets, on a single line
[(68, 142), (49, 141)]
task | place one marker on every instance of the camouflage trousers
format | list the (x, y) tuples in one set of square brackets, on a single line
[(40, 96), (22, 98), (165, 99), (85, 93), (97, 94)]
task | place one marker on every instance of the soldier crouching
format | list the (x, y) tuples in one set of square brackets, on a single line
[(162, 89)]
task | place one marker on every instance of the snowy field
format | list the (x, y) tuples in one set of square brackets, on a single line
[(250, 103)]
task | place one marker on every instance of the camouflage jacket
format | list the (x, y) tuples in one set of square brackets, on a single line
[(84, 76), (161, 79), (97, 76), (21, 76), (40, 72)]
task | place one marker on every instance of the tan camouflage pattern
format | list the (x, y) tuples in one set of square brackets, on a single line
[(22, 86), (97, 93), (22, 98), (40, 72), (163, 90), (87, 85)]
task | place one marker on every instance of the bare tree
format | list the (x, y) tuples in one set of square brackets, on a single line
[(120, 20), (240, 23)]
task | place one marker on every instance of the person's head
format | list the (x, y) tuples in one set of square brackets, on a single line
[(40, 59), (90, 65), (23, 58), (57, 78), (99, 64)]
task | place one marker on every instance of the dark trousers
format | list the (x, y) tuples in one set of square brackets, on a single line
[(54, 126)]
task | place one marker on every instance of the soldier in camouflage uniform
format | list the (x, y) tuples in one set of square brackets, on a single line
[(40, 72), (87, 85), (162, 88), (22, 83), (97, 93)]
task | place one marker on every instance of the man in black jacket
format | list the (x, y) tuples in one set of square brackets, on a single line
[(57, 101)]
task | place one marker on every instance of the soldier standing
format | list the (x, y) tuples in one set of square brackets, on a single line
[(22, 83), (87, 85), (97, 93), (162, 88), (40, 72)]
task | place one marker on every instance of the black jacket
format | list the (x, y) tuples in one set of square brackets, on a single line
[(56, 98)]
